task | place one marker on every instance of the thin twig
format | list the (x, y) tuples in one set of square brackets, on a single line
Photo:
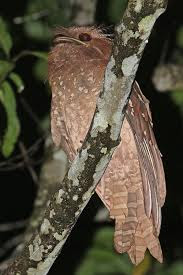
[(28, 162), (4, 227), (10, 244), (31, 17), (18, 161), (30, 112)]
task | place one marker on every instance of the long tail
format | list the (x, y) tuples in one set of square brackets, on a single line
[(136, 209)]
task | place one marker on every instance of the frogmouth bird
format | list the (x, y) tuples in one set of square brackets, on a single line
[(133, 185)]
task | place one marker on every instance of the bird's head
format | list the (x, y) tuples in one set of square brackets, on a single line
[(77, 49), (90, 42)]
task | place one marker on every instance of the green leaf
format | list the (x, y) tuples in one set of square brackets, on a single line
[(177, 97), (37, 30), (5, 38), (101, 258), (175, 268), (116, 9), (5, 68), (39, 54), (17, 81), (144, 266), (12, 131), (169, 269), (40, 69)]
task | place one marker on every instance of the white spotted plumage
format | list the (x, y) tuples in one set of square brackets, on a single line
[(133, 186)]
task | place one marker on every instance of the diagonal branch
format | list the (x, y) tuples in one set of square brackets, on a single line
[(64, 208)]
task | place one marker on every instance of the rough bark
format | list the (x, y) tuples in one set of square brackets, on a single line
[(64, 208)]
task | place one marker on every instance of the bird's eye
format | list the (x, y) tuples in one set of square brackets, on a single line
[(85, 37)]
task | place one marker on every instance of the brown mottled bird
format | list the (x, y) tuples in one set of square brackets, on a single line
[(133, 186)]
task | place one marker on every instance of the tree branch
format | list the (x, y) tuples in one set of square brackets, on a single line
[(52, 173), (73, 194)]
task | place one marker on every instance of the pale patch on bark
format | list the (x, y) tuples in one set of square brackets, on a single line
[(57, 236), (100, 123), (59, 195), (110, 76), (46, 226), (77, 167), (146, 24), (48, 203), (102, 117), (77, 213), (116, 125), (87, 195), (138, 5), (36, 250), (75, 197), (99, 170), (130, 65), (52, 213), (44, 266), (103, 150), (129, 34)]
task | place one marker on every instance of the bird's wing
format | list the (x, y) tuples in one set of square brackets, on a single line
[(154, 189), (133, 186)]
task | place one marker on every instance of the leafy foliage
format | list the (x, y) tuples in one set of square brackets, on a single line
[(7, 96), (10, 81), (116, 9), (5, 38), (5, 68), (17, 81), (101, 259), (13, 126), (36, 27)]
